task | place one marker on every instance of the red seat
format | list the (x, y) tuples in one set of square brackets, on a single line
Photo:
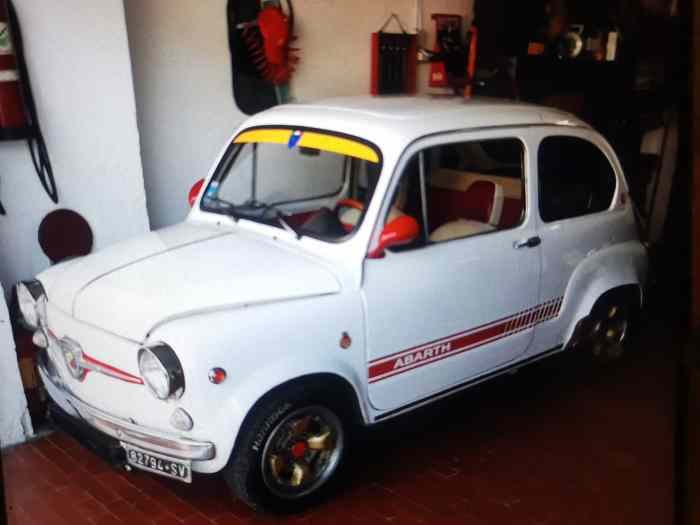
[(511, 214), (481, 202)]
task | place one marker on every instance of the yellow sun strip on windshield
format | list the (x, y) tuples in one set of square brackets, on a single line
[(340, 145), (270, 136), (309, 139)]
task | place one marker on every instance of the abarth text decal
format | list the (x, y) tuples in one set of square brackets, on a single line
[(405, 360)]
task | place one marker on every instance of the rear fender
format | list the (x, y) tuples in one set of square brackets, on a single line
[(611, 267)]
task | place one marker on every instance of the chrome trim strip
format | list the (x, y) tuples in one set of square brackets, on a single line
[(131, 433)]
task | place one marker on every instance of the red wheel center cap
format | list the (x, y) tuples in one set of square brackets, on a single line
[(298, 449)]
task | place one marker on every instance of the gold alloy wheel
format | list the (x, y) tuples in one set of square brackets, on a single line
[(609, 331), (302, 452)]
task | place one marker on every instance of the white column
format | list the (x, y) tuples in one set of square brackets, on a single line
[(15, 424)]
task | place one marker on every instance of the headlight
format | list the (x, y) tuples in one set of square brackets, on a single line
[(29, 295), (161, 371)]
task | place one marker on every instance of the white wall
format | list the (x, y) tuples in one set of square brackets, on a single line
[(78, 58), (15, 423), (182, 75)]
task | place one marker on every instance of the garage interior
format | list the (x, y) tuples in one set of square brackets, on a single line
[(135, 99)]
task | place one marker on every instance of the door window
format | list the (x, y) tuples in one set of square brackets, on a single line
[(461, 189), (575, 178)]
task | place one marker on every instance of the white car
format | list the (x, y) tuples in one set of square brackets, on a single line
[(343, 263)]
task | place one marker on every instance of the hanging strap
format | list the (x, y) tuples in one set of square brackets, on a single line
[(393, 16)]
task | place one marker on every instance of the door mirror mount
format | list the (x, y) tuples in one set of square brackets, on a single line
[(194, 192), (400, 231)]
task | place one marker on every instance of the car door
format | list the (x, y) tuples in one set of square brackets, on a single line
[(580, 212), (441, 312)]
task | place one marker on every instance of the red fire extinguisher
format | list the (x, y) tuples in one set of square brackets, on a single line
[(18, 115), (13, 120)]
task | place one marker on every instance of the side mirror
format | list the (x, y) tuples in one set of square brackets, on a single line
[(194, 191), (402, 230)]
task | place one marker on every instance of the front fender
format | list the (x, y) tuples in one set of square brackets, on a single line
[(617, 265), (261, 347)]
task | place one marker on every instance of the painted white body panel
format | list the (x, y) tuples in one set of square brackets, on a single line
[(420, 297), (269, 308)]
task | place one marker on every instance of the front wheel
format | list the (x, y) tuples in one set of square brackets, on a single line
[(289, 452)]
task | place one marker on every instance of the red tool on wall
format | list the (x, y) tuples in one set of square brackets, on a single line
[(453, 62), (268, 41)]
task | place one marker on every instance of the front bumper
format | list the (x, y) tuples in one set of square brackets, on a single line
[(124, 430)]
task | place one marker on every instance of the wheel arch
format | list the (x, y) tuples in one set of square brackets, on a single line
[(633, 292), (618, 269), (347, 397)]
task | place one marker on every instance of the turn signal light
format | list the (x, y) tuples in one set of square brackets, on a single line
[(217, 375)]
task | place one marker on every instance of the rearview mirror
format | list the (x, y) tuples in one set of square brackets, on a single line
[(402, 230), (194, 191)]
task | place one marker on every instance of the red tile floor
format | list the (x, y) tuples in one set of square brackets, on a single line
[(562, 442)]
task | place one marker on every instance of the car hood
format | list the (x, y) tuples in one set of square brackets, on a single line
[(184, 270)]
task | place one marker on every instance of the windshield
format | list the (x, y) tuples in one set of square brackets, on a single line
[(313, 183)]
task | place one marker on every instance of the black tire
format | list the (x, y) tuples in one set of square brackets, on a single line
[(611, 326), (250, 472)]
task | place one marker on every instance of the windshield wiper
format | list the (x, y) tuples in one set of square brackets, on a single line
[(280, 217), (222, 206), (287, 226), (259, 210)]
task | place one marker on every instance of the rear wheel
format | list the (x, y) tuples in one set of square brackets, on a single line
[(289, 452), (610, 326)]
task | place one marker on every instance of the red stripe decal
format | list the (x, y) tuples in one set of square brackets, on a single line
[(439, 349), (108, 370)]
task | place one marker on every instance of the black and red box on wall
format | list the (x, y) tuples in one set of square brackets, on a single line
[(394, 60)]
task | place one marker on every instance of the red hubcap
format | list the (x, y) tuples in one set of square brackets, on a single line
[(298, 449)]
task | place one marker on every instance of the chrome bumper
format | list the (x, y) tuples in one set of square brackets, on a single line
[(123, 430)]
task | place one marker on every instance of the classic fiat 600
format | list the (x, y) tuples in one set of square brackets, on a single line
[(343, 263)]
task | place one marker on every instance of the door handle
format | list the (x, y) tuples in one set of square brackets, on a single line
[(532, 242)]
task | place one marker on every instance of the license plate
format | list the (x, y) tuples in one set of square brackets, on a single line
[(162, 465)]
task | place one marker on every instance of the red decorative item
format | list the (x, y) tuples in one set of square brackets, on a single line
[(194, 192), (274, 28), (63, 234), (12, 113), (268, 39)]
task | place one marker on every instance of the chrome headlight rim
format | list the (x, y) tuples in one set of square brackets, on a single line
[(168, 365), (73, 357), (29, 295)]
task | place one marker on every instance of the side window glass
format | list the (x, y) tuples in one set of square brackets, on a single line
[(475, 188), (575, 178), (467, 188)]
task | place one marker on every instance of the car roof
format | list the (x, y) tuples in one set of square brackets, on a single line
[(404, 118)]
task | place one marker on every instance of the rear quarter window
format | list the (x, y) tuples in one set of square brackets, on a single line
[(575, 178)]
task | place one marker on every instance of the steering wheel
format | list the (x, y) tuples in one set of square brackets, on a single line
[(344, 210)]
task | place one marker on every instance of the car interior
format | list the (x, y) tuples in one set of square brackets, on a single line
[(471, 188)]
